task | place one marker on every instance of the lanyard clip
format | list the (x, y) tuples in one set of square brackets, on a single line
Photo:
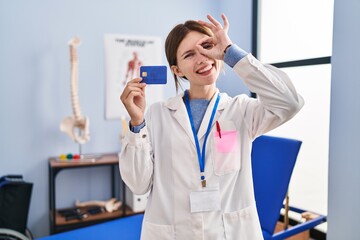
[(203, 180), (203, 183)]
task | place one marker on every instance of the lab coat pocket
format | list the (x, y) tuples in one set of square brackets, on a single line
[(243, 224), (227, 152), (156, 231)]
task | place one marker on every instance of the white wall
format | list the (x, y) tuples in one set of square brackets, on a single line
[(344, 162), (239, 14)]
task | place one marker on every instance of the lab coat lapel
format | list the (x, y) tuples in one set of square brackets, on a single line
[(206, 119), (180, 115)]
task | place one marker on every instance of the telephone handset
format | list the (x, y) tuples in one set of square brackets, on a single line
[(76, 126)]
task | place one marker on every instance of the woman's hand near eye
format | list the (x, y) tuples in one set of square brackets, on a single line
[(214, 47)]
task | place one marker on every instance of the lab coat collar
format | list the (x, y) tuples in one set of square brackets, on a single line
[(177, 102), (180, 114)]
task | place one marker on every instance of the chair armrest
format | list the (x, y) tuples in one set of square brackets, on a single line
[(301, 227)]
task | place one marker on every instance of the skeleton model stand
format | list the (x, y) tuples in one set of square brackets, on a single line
[(76, 126)]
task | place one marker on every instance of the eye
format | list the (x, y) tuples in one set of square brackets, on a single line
[(207, 45), (188, 55)]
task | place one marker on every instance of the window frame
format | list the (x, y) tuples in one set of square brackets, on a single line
[(314, 233), (294, 63)]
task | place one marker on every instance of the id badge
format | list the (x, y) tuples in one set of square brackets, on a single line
[(205, 200)]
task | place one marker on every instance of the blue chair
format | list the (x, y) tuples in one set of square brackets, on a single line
[(273, 160)]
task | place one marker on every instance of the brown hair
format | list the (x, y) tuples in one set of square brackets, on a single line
[(175, 37)]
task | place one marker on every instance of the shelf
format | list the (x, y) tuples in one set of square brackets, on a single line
[(104, 159), (58, 222)]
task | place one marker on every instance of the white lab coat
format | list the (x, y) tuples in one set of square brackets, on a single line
[(162, 158)]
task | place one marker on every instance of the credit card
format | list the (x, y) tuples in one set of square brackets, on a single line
[(153, 74)]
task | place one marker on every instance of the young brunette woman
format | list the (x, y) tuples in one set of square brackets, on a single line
[(193, 151)]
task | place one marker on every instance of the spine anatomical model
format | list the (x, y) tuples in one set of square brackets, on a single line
[(76, 126)]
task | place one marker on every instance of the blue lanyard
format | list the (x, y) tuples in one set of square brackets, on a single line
[(201, 155)]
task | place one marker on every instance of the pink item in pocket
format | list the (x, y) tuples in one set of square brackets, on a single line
[(227, 142)]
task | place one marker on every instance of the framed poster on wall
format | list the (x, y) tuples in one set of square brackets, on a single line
[(124, 54)]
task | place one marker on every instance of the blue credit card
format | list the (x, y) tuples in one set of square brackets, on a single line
[(153, 74)]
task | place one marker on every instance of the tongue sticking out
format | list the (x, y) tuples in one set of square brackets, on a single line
[(205, 70)]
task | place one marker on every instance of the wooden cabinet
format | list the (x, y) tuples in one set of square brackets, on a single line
[(57, 222)]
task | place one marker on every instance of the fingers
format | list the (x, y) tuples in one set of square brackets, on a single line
[(226, 22), (135, 83), (206, 24), (205, 45), (214, 21), (128, 96), (205, 42), (133, 98), (133, 88), (214, 24), (214, 46)]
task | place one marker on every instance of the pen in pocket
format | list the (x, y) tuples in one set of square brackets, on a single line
[(218, 128)]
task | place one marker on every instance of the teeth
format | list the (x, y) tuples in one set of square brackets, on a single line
[(205, 69)]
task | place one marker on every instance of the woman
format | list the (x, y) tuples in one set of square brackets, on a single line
[(193, 151)]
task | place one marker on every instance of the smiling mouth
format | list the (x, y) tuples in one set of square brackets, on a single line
[(205, 69)]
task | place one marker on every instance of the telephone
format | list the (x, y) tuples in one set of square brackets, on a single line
[(76, 126)]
